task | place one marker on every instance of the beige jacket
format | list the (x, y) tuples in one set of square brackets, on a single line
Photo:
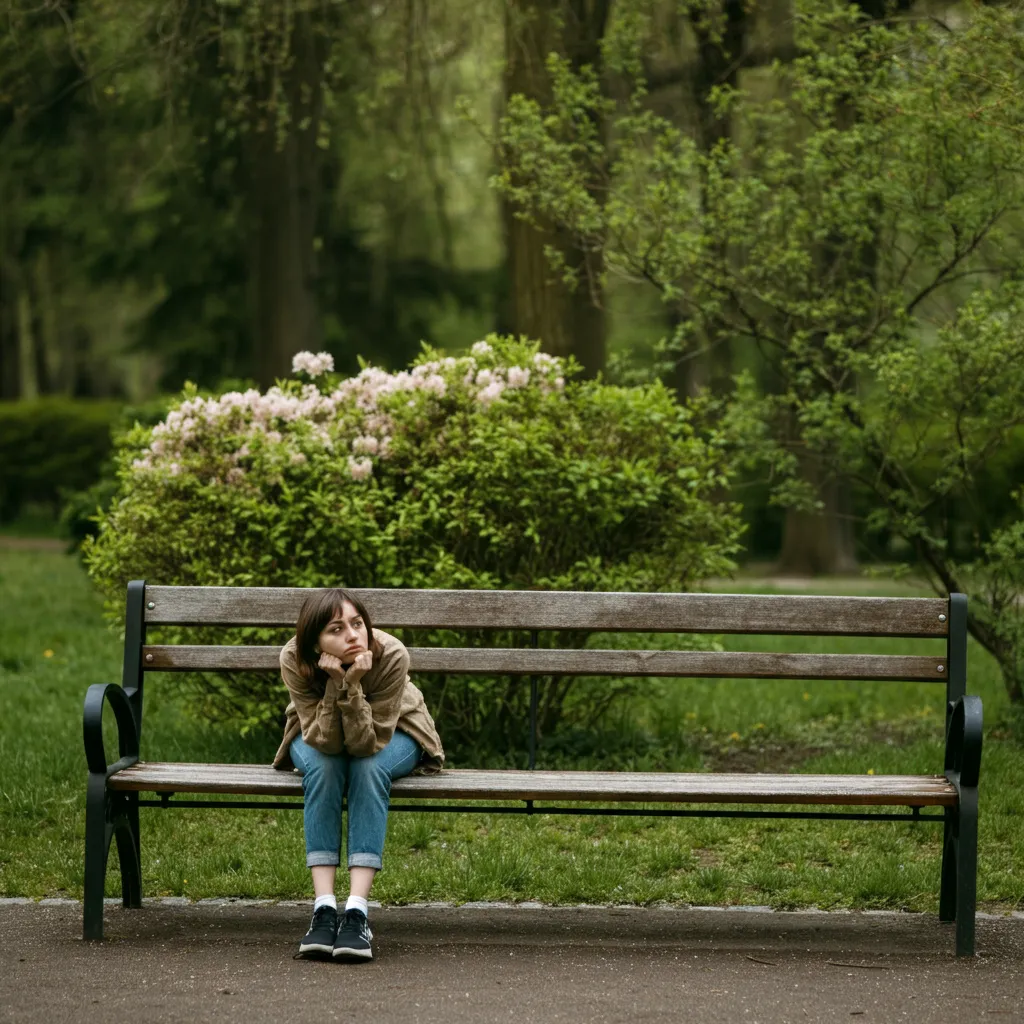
[(359, 718)]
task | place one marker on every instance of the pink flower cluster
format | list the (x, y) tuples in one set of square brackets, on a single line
[(372, 384), (314, 365), (250, 413), (494, 382), (358, 414), (360, 469)]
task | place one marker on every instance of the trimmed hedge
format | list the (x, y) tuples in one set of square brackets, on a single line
[(50, 447)]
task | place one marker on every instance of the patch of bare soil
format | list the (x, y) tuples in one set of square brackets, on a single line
[(765, 757), (780, 756)]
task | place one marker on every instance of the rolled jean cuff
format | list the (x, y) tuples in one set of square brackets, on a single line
[(323, 858), (364, 860)]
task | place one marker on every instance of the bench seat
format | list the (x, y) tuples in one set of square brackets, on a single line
[(514, 784)]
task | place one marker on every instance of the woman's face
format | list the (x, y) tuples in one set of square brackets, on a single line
[(345, 635)]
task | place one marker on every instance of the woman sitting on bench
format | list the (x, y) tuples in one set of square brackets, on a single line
[(354, 716)]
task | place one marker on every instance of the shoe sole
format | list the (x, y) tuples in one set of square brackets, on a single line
[(359, 954), (315, 947)]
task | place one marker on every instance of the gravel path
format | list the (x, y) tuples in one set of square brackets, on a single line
[(225, 960)]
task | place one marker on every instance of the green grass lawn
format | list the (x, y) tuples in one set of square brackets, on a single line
[(54, 643)]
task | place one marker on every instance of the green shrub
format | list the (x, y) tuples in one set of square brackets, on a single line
[(486, 471), (49, 447)]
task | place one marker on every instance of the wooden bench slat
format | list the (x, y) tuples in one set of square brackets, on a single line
[(515, 784), (526, 661), (781, 614)]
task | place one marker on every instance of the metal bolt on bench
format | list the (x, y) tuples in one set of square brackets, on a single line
[(113, 796)]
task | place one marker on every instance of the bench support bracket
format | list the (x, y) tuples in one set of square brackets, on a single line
[(109, 814), (958, 892)]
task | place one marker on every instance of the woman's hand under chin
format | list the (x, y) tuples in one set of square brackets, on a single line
[(359, 667), (332, 666)]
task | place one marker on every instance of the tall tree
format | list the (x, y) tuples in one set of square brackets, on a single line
[(282, 176), (44, 180), (823, 541), (720, 33), (556, 286), (888, 176)]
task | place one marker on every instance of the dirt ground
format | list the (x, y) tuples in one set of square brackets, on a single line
[(228, 960)]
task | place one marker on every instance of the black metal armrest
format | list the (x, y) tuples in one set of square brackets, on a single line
[(92, 728), (963, 742)]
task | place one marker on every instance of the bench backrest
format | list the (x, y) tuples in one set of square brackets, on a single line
[(535, 611)]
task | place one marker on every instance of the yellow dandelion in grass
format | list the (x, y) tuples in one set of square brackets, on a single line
[(871, 771), (47, 654), (734, 736), (807, 696)]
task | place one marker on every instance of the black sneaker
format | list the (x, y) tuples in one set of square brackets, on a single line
[(354, 935), (322, 929)]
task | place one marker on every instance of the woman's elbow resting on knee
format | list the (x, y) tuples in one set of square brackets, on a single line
[(322, 747), (360, 750)]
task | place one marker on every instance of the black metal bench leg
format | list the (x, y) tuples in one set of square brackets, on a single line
[(97, 845), (126, 829), (966, 871), (947, 888), (108, 816), (133, 820)]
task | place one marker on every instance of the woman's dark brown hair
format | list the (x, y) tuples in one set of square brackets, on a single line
[(317, 610)]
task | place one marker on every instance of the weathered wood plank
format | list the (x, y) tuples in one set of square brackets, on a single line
[(525, 661), (508, 609), (468, 784)]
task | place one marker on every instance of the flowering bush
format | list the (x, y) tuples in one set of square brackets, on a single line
[(485, 470)]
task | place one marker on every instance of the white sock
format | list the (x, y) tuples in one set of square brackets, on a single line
[(324, 901), (359, 904)]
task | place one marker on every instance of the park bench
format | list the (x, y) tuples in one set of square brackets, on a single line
[(949, 796)]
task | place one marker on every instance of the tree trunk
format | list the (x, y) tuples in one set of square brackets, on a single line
[(945, 577), (709, 364), (28, 376), (1012, 667), (10, 372), (819, 544), (567, 321), (824, 544), (52, 345), (283, 193)]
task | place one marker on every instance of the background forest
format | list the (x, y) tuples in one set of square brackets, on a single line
[(806, 212)]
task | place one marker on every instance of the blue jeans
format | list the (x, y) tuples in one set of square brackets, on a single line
[(369, 793)]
